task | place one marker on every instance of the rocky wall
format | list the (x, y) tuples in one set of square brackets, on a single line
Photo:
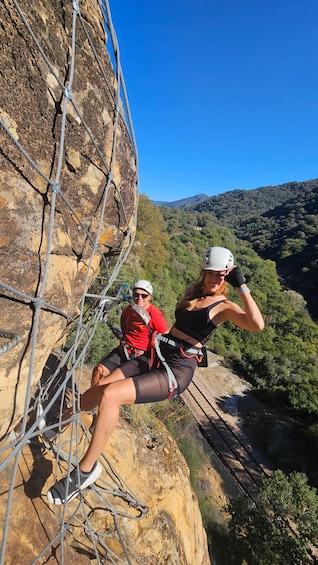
[(68, 178)]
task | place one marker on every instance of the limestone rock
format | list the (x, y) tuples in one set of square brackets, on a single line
[(68, 179)]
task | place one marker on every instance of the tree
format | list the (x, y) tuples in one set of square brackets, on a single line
[(151, 238), (282, 528)]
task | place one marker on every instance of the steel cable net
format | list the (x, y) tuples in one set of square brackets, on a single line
[(61, 381)]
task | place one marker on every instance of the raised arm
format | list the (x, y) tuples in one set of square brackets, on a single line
[(250, 317)]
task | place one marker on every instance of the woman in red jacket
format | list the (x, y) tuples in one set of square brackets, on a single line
[(139, 323)]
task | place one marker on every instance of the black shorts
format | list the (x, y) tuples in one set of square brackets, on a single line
[(154, 385), (117, 359)]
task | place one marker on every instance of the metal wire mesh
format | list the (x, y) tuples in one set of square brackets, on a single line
[(63, 376)]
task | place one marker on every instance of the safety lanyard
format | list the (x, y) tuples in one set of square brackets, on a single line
[(173, 385)]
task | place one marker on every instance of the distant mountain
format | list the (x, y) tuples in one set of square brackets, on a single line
[(184, 202), (235, 207)]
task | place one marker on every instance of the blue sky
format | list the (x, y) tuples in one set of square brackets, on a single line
[(223, 93)]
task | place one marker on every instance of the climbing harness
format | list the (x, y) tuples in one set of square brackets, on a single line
[(172, 381), (189, 353), (131, 352)]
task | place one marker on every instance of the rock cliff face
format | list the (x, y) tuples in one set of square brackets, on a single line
[(171, 532), (68, 178), (68, 199)]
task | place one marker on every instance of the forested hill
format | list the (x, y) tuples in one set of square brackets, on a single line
[(233, 208), (184, 202), (281, 224)]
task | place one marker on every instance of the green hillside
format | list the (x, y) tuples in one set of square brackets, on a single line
[(280, 223), (236, 206), (280, 362)]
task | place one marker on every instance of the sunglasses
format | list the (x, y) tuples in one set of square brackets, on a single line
[(140, 295)]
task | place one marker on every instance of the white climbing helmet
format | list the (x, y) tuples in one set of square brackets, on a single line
[(218, 259), (144, 285)]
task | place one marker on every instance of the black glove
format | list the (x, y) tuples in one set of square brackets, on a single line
[(235, 277)]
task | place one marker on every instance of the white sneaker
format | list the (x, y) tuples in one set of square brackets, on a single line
[(68, 487)]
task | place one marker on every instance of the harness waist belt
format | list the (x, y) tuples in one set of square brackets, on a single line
[(130, 350), (178, 344)]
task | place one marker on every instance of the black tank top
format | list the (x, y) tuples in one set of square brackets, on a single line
[(196, 323)]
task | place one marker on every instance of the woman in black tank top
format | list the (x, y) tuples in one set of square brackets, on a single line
[(202, 309)]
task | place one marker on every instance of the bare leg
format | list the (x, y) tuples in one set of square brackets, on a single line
[(112, 398), (99, 372), (92, 396), (115, 375)]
